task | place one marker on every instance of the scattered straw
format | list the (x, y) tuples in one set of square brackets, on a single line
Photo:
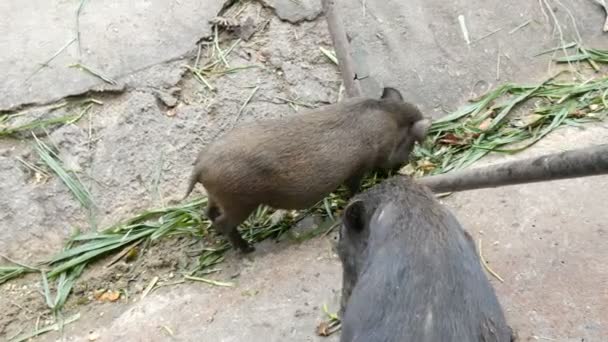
[(46, 63), (41, 124), (209, 281), (329, 54), (94, 72), (556, 25), (520, 26), (238, 115), (562, 47), (149, 287), (217, 47), (486, 36), (218, 67), (78, 27), (486, 266), (463, 28), (498, 64), (294, 102), (52, 327), (200, 77), (171, 283)]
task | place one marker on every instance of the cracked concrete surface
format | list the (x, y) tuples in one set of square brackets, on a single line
[(115, 39), (548, 241)]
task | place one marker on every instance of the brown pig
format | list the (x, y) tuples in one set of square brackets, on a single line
[(294, 162)]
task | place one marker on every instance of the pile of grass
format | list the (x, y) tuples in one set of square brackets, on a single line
[(216, 62), (151, 224), (487, 124), (217, 66)]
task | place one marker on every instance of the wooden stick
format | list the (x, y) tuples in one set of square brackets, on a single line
[(590, 161), (342, 48)]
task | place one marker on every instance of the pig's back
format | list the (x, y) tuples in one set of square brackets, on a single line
[(423, 280), (306, 156)]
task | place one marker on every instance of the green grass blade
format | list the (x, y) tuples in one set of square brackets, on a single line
[(52, 327), (96, 244), (49, 158), (10, 272), (47, 292), (65, 286), (38, 124), (91, 254)]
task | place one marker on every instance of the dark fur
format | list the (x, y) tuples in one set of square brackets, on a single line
[(411, 273), (293, 162)]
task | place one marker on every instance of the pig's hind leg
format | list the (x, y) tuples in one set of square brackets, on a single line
[(227, 219)]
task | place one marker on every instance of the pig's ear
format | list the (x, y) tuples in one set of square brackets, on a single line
[(391, 94), (420, 129), (353, 217)]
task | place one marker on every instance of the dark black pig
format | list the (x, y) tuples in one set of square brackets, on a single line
[(411, 272)]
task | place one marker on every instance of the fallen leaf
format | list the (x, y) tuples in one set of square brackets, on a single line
[(328, 327), (98, 293), (578, 114), (485, 124), (323, 329), (451, 139), (109, 296)]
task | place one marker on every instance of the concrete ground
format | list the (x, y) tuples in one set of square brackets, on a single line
[(548, 241)]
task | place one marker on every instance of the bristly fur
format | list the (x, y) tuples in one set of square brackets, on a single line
[(293, 162), (411, 272)]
